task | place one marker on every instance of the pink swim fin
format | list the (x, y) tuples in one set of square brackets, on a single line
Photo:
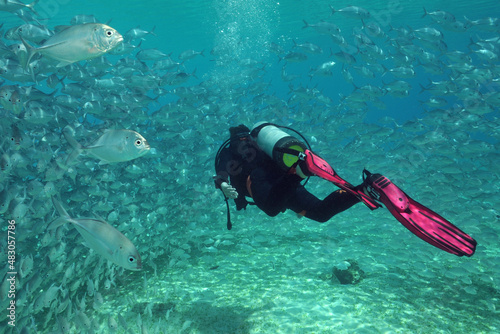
[(420, 220)]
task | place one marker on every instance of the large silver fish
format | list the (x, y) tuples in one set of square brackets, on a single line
[(103, 238), (78, 42), (113, 146)]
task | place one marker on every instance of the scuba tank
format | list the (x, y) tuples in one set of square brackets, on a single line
[(279, 145)]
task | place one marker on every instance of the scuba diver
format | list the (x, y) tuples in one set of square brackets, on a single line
[(268, 165)]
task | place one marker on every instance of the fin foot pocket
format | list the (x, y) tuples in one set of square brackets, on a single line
[(377, 184)]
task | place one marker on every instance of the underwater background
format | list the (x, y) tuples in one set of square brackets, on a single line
[(420, 109)]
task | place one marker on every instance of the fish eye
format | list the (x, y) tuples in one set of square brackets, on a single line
[(138, 142), (109, 33), (131, 259)]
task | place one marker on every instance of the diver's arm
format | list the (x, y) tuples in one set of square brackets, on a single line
[(222, 175)]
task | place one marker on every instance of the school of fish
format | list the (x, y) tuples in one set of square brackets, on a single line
[(84, 132)]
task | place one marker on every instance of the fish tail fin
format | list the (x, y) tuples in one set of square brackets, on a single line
[(77, 148), (68, 135), (64, 215), (469, 23), (31, 52), (422, 88), (71, 158), (60, 209), (32, 5), (56, 223)]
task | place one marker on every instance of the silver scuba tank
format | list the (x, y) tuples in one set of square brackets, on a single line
[(272, 140)]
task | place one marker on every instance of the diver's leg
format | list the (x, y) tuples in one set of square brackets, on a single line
[(306, 204), (312, 164), (271, 191)]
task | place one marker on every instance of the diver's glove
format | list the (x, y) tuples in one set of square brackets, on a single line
[(228, 190)]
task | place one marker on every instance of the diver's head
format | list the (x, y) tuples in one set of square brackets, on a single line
[(239, 131)]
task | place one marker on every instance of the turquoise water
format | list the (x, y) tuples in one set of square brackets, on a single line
[(438, 141)]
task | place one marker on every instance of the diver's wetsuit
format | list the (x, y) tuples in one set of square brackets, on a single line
[(272, 189)]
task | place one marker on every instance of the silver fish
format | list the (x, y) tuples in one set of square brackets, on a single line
[(293, 57), (112, 324), (103, 238), (352, 12), (344, 57), (5, 199), (150, 54), (112, 146), (77, 42), (26, 265), (322, 27), (138, 33), (188, 54), (82, 19), (30, 32), (428, 34), (440, 16), (308, 47), (15, 5)]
